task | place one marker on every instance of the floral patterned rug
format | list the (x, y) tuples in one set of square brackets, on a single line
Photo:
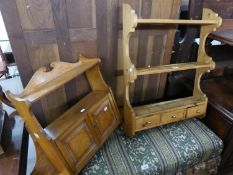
[(180, 148)]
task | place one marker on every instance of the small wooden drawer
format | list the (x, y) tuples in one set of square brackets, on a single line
[(173, 116), (147, 122), (196, 111)]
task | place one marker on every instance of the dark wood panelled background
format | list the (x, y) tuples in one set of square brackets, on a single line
[(224, 8), (41, 31)]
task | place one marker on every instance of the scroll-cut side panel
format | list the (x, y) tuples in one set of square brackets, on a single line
[(43, 82)]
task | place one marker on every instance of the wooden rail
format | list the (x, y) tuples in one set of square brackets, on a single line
[(172, 68), (172, 21)]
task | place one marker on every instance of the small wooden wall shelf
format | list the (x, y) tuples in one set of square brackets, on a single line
[(68, 143), (148, 116)]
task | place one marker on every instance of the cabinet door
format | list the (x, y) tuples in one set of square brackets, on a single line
[(77, 145), (105, 119)]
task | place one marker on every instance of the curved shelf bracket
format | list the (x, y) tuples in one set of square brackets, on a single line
[(202, 55), (130, 23)]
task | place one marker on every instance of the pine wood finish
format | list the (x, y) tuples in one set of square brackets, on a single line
[(169, 111), (68, 143)]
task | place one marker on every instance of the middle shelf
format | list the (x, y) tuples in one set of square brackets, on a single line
[(173, 68)]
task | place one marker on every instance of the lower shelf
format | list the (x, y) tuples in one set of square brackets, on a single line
[(152, 115)]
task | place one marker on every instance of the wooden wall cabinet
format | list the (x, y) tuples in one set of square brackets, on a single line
[(71, 140), (94, 118)]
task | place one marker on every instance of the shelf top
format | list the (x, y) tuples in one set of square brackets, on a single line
[(55, 75)]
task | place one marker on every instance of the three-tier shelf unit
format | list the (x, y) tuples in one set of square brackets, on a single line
[(152, 115)]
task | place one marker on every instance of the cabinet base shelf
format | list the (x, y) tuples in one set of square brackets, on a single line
[(152, 115)]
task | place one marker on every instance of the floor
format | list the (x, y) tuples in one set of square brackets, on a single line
[(13, 132), (15, 86)]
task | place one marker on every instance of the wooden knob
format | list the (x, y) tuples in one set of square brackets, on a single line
[(198, 111), (173, 116), (146, 123), (82, 110)]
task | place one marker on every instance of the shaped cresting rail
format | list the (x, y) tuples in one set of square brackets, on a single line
[(210, 21), (44, 81)]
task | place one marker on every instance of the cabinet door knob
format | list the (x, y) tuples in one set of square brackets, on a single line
[(82, 110), (146, 123), (105, 108), (198, 111)]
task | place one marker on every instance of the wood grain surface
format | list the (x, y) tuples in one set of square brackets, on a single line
[(44, 31)]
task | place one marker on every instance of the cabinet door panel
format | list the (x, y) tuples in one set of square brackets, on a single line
[(104, 118), (77, 145)]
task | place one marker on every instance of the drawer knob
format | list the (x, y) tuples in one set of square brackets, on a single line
[(105, 108), (82, 110), (146, 123), (198, 111), (173, 116)]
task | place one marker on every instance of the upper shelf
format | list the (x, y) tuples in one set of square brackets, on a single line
[(44, 81), (131, 20)]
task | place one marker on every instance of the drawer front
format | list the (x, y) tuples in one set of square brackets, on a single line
[(196, 111), (173, 116), (77, 145), (104, 119), (147, 122)]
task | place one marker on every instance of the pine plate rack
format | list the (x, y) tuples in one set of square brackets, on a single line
[(67, 144), (152, 115)]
